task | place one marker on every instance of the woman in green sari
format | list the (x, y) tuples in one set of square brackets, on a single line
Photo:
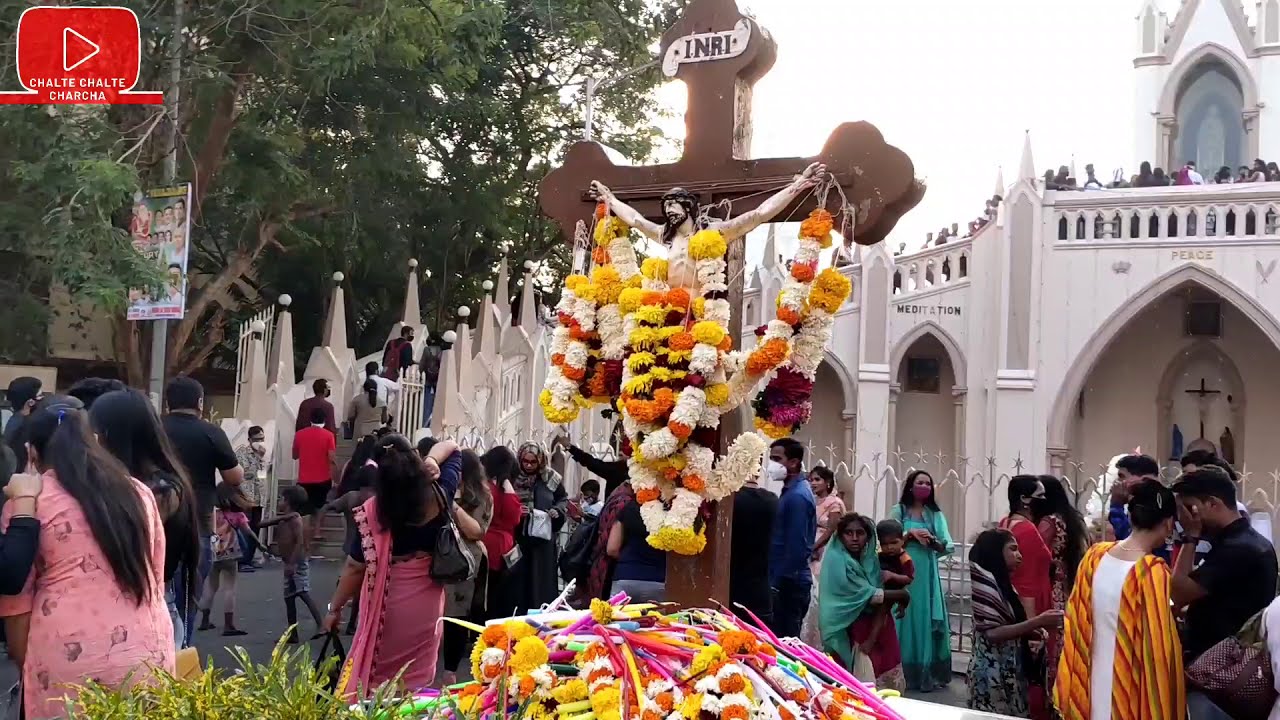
[(925, 631), (853, 610)]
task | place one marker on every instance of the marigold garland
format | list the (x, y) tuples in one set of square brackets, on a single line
[(663, 356), (806, 309)]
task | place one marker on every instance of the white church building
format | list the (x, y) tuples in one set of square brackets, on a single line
[(1077, 326)]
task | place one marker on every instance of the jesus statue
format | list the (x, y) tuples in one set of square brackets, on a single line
[(680, 208)]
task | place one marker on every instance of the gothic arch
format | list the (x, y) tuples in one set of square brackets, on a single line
[(929, 327), (847, 383), (1129, 308), (1166, 112), (1190, 354)]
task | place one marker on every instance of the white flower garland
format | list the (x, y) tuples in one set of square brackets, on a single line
[(741, 462)]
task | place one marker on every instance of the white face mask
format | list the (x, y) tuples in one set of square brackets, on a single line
[(775, 470)]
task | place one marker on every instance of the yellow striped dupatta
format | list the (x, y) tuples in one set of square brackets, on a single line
[(1148, 677)]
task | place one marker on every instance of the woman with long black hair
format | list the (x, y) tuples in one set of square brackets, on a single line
[(997, 674), (1067, 537), (925, 631), (129, 428), (390, 568), (94, 606)]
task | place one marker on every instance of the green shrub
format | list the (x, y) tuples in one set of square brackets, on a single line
[(289, 687)]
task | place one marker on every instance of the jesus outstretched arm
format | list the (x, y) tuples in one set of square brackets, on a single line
[(625, 212), (738, 227)]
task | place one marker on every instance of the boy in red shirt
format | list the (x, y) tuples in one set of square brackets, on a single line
[(314, 448)]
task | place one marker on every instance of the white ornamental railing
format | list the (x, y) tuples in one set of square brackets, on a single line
[(961, 484), (407, 411), (244, 348), (934, 267), (1191, 213)]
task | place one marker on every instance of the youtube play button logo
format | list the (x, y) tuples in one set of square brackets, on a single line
[(79, 55), (77, 49)]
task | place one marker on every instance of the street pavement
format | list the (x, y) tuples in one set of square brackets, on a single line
[(260, 611)]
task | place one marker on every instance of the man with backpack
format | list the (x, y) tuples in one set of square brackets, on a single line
[(398, 355)]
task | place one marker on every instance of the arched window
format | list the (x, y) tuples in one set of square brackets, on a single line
[(1210, 127)]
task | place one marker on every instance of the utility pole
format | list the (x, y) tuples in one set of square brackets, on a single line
[(160, 328)]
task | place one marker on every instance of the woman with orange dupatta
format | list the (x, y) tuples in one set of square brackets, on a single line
[(389, 564), (1121, 657)]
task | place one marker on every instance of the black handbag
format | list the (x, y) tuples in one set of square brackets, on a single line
[(332, 675), (453, 560)]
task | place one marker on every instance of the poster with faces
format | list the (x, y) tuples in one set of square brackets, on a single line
[(159, 230)]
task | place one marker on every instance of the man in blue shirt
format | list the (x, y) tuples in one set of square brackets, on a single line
[(794, 530)]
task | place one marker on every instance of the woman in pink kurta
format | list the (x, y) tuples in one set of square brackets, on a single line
[(77, 619)]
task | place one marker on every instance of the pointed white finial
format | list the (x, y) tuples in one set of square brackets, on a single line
[(1027, 168), (1000, 188), (285, 300), (771, 247)]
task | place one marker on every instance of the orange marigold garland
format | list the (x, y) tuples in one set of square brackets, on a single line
[(806, 316)]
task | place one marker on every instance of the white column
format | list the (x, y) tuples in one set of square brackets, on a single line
[(871, 440)]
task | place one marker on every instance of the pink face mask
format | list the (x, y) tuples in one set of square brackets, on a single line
[(922, 492)]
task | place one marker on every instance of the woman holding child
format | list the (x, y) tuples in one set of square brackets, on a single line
[(925, 629), (856, 598)]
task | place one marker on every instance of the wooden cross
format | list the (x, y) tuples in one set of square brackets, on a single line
[(719, 54), (1203, 392)]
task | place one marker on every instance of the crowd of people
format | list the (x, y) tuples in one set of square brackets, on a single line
[(124, 532), (1187, 174)]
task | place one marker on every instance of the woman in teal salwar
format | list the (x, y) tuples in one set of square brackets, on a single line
[(925, 631)]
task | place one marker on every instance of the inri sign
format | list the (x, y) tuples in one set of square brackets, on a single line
[(704, 47)]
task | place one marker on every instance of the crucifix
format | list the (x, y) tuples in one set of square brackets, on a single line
[(719, 54), (1203, 397)]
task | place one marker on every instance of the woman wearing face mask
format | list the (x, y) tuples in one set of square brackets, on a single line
[(925, 631), (1028, 505), (1122, 656)]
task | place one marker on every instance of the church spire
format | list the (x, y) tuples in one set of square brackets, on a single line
[(1027, 166), (1000, 187)]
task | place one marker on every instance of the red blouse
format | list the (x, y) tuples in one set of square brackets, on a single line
[(500, 537), (1031, 579)]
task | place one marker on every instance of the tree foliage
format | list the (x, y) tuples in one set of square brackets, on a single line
[(325, 135)]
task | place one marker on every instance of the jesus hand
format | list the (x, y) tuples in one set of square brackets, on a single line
[(811, 176), (598, 191)]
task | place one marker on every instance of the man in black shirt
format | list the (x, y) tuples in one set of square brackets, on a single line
[(206, 453), (754, 509), (1238, 575)]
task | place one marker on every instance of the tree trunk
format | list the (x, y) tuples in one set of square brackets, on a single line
[(128, 341), (213, 151), (208, 311)]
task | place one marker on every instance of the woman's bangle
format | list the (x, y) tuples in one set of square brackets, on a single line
[(23, 497)]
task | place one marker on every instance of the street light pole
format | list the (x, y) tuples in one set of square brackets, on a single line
[(593, 85), (160, 328)]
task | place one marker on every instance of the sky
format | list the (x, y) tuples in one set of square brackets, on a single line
[(956, 84)]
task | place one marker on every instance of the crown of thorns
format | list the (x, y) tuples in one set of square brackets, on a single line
[(682, 196)]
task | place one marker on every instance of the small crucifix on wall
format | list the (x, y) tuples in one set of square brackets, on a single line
[(1205, 397)]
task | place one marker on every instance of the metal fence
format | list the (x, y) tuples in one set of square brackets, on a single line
[(244, 348)]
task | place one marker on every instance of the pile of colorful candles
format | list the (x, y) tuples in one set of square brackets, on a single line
[(640, 662)]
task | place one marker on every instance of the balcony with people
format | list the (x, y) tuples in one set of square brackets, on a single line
[(1158, 207)]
